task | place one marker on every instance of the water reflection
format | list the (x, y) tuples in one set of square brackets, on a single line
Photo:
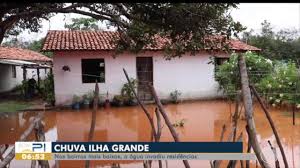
[(203, 122)]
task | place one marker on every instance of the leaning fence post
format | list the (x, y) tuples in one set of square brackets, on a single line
[(271, 124), (167, 121), (10, 156), (217, 163), (247, 99), (275, 154), (141, 104)]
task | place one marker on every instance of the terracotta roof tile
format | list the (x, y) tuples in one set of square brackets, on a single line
[(102, 40), (239, 45), (22, 54)]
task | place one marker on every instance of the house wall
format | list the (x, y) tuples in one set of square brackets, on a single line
[(7, 82), (191, 75), (31, 73)]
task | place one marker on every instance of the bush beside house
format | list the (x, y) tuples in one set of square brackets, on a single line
[(276, 81)]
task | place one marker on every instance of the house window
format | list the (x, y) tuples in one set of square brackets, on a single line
[(13, 70), (220, 61), (92, 70)]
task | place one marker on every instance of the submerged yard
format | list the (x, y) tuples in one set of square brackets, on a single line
[(202, 121)]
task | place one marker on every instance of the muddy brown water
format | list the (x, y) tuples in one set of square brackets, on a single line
[(203, 122)]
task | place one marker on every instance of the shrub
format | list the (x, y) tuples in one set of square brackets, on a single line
[(277, 82), (85, 99), (281, 85), (18, 89), (76, 99), (227, 74), (127, 94), (118, 100), (88, 98), (24, 87), (48, 89), (175, 96)]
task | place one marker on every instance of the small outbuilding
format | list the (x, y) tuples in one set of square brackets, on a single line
[(17, 64)]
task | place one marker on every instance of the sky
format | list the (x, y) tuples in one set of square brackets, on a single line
[(251, 15)]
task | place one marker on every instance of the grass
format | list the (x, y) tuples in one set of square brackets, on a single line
[(13, 106)]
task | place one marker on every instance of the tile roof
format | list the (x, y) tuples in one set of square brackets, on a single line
[(22, 54), (102, 40), (239, 45)]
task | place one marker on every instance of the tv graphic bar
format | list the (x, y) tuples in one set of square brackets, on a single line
[(131, 151)]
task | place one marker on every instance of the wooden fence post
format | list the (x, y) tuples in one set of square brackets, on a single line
[(40, 137), (271, 124), (93, 119), (167, 121), (23, 137), (141, 104), (247, 99)]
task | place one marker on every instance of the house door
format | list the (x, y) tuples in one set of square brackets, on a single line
[(144, 67)]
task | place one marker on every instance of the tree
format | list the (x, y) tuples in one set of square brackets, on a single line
[(227, 74), (83, 24), (15, 42), (37, 45), (186, 26), (283, 45)]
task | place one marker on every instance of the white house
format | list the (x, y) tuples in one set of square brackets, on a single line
[(81, 57), (12, 63)]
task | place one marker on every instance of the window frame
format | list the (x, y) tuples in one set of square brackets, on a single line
[(82, 69), (216, 63), (221, 59)]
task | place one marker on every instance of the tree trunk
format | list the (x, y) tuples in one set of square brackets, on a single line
[(247, 99)]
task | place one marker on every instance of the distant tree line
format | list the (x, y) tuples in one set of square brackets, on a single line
[(35, 45), (283, 45)]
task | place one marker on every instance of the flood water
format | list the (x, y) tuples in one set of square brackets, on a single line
[(203, 122)]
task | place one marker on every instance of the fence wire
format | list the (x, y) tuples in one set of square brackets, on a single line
[(293, 85)]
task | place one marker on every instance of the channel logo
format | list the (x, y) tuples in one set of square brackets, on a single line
[(33, 150), (33, 147)]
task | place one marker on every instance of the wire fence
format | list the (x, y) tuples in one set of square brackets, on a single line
[(280, 90)]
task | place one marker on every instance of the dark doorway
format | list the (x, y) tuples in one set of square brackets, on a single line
[(144, 67)]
